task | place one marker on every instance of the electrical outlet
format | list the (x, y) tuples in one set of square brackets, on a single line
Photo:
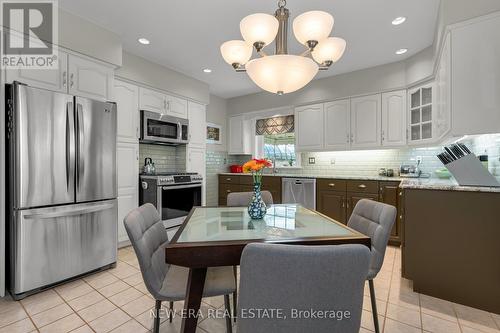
[(312, 160), (332, 161)]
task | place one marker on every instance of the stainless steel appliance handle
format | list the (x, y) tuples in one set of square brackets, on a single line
[(80, 165), (82, 211), (180, 186), (179, 131), (70, 150)]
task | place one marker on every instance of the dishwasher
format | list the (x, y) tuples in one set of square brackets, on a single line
[(299, 190)]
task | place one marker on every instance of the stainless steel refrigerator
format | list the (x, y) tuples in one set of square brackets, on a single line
[(62, 185)]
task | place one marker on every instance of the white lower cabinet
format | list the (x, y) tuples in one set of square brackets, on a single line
[(309, 131), (337, 125), (89, 79), (394, 118), (366, 121), (127, 156), (196, 162)]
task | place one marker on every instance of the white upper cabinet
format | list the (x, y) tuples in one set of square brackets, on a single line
[(89, 79), (442, 100), (240, 136), (365, 121), (309, 127), (476, 76), (394, 118), (152, 100), (177, 107), (421, 114), (197, 124), (126, 96), (337, 124), (51, 79)]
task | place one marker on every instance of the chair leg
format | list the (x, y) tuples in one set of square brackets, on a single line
[(374, 306), (235, 294), (227, 303), (156, 328), (170, 313)]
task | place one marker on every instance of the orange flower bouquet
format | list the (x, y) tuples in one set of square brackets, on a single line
[(257, 208), (255, 166)]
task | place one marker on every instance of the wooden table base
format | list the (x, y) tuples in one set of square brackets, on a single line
[(194, 293)]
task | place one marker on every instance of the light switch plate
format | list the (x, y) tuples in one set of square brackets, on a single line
[(312, 160)]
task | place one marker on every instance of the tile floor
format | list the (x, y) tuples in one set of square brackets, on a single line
[(117, 301)]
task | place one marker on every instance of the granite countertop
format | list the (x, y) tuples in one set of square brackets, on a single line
[(406, 183), (443, 185), (379, 178)]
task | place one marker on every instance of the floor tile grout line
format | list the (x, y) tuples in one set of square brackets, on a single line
[(74, 311), (28, 316)]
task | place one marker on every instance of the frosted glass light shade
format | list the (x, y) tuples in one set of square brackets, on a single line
[(282, 73), (314, 25), (236, 51), (259, 27), (330, 49)]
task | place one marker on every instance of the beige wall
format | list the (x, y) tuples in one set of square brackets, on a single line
[(80, 35), (149, 73), (217, 114)]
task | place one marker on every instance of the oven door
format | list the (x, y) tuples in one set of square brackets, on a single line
[(176, 201), (156, 127)]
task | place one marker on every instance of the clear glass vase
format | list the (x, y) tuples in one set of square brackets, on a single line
[(257, 207)]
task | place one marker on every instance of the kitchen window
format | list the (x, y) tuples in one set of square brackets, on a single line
[(275, 141)]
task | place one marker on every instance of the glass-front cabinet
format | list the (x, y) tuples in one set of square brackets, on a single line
[(421, 109)]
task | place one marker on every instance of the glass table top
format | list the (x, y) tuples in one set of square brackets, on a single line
[(281, 222)]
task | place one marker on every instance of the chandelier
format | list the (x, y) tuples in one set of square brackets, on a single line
[(283, 73)]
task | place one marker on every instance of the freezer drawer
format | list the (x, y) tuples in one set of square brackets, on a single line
[(57, 243)]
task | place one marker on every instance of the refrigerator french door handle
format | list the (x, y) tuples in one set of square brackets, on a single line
[(82, 211), (70, 146), (80, 165)]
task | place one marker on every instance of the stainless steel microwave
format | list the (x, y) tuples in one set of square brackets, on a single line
[(163, 129)]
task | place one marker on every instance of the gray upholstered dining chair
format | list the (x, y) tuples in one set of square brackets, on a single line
[(240, 199), (288, 277), (169, 282), (374, 219)]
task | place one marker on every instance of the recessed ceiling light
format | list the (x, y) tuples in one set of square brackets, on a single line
[(401, 51), (143, 41), (207, 70), (398, 20)]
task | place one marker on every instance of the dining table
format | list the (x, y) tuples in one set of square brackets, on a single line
[(216, 236)]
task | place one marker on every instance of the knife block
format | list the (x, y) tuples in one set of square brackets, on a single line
[(469, 171)]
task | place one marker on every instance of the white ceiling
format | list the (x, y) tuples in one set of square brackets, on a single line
[(186, 35)]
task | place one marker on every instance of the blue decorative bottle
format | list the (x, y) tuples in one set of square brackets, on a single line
[(257, 207)]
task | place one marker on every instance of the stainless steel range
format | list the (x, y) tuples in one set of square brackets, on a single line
[(173, 194)]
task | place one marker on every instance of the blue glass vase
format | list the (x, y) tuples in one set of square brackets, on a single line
[(257, 207)]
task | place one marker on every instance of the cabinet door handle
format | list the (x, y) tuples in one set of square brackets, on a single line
[(343, 202), (71, 82), (228, 179), (348, 138), (331, 184), (401, 193), (347, 203), (362, 186), (383, 135), (64, 79)]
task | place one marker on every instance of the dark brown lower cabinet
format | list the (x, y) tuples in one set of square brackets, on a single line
[(389, 194), (243, 183), (353, 198), (332, 204)]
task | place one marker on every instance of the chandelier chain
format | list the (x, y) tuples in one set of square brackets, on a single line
[(281, 3)]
